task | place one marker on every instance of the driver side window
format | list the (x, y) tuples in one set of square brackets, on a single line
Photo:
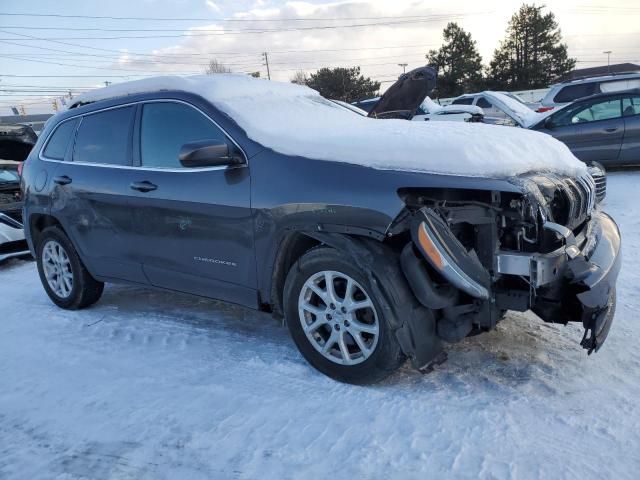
[(594, 112), (166, 127), (587, 112)]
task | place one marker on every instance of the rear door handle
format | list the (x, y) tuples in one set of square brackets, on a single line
[(611, 130), (62, 180), (144, 186)]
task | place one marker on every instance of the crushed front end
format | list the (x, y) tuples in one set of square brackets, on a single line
[(475, 254)]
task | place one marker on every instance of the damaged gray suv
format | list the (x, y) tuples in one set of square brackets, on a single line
[(377, 240)]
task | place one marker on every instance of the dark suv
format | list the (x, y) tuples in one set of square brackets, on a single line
[(162, 184)]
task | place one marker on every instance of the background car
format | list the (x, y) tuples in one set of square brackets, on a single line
[(567, 92), (351, 107), (16, 142), (12, 241), (366, 104), (493, 113), (604, 128), (432, 111), (428, 110)]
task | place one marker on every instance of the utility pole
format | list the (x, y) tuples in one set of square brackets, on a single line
[(608, 52), (404, 67), (266, 62)]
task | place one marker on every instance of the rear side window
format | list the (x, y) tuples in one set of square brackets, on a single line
[(463, 101), (631, 106), (59, 141), (104, 137), (573, 92), (166, 127)]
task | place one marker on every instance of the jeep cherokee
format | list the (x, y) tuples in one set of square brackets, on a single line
[(376, 240)]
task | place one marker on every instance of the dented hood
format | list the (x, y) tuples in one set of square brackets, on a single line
[(402, 99)]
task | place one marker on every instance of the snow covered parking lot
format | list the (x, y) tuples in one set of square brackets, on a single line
[(153, 385)]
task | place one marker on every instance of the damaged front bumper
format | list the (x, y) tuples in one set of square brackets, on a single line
[(575, 283)]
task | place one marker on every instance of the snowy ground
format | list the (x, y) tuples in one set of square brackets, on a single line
[(154, 385)]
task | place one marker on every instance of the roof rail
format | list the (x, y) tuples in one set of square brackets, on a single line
[(600, 75)]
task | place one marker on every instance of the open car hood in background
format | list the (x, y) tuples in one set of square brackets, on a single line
[(402, 99), (16, 142)]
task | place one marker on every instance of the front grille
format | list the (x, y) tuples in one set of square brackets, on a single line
[(579, 199), (600, 180)]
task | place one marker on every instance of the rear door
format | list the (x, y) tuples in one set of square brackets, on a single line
[(630, 152), (91, 194), (193, 225)]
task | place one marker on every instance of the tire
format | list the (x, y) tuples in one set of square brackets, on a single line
[(83, 290), (369, 360)]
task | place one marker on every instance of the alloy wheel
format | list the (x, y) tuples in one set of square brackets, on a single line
[(57, 269), (338, 317)]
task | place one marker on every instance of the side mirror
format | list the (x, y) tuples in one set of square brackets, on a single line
[(208, 153), (548, 123)]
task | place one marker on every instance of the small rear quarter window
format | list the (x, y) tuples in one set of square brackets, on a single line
[(56, 147), (574, 92)]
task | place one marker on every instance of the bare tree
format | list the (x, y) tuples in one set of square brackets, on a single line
[(300, 77), (215, 67)]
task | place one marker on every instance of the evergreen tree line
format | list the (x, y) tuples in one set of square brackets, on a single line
[(532, 55)]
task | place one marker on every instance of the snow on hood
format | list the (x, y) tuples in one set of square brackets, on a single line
[(518, 111), (296, 120)]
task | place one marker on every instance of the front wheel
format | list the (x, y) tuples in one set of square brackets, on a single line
[(335, 320), (63, 276)]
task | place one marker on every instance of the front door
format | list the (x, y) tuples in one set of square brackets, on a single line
[(599, 130), (193, 225)]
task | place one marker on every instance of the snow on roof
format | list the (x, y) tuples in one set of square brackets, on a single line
[(296, 120)]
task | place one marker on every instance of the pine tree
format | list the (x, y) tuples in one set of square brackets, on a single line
[(346, 84), (458, 62), (532, 55)]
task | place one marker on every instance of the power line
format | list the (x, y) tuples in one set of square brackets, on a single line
[(239, 32), (204, 53), (235, 54), (213, 19)]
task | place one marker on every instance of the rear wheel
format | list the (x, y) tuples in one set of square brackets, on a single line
[(335, 320), (63, 276)]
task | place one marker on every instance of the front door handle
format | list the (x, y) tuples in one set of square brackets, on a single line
[(62, 180), (144, 186), (611, 130)]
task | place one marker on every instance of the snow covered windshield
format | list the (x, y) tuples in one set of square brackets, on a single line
[(296, 120)]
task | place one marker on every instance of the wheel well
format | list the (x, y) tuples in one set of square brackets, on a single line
[(38, 222), (292, 247)]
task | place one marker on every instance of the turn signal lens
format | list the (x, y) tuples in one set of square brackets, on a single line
[(429, 248)]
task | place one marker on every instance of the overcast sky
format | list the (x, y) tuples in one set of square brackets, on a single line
[(297, 36)]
